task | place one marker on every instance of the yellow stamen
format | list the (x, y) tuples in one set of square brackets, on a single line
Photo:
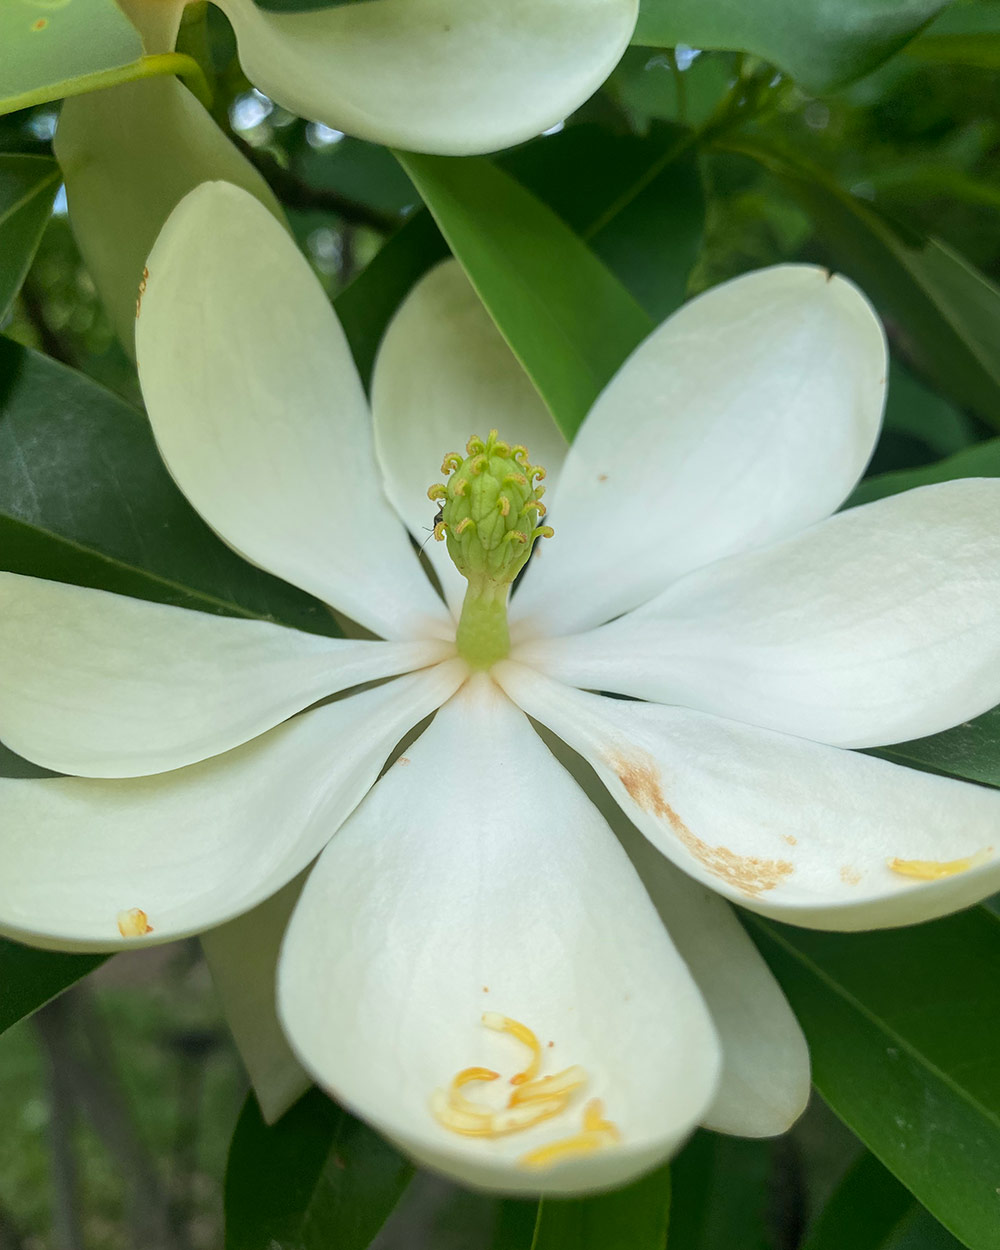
[(533, 1100), (504, 1024), (466, 1077), (935, 869), (134, 923), (561, 1083)]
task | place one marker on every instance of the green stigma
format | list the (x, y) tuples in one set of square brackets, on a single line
[(489, 514)]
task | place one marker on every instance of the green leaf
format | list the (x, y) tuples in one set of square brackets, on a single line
[(902, 1028), (28, 186), (317, 1179), (722, 1192), (871, 1210), (633, 1218), (29, 978), (85, 498), (981, 460), (603, 186), (948, 311), (46, 46), (821, 45), (566, 317)]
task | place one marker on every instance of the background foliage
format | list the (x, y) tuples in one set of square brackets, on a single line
[(862, 135)]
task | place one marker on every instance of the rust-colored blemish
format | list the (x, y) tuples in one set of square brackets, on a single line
[(849, 875), (403, 759), (486, 989), (602, 477), (750, 874), (142, 292), (40, 24)]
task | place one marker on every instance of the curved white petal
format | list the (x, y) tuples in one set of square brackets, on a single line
[(478, 878), (448, 76), (190, 849), (444, 373), (259, 413), (243, 958), (765, 1080), (797, 830), (748, 415), (880, 625), (101, 685)]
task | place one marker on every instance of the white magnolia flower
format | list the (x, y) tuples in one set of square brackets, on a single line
[(474, 965), (448, 76)]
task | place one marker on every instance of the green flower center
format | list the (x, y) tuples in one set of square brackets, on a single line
[(489, 514)]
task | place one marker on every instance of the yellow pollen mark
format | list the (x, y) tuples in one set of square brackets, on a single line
[(504, 1024), (504, 506), (560, 1083), (935, 869), (134, 923), (597, 1133), (463, 525)]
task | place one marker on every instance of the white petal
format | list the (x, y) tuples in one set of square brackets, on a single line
[(128, 155), (260, 416), (749, 414), (101, 685), (877, 626), (812, 834), (478, 878), (765, 1080), (193, 848), (449, 76), (243, 957), (444, 373)]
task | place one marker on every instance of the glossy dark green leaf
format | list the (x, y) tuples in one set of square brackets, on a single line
[(980, 460), (566, 317), (821, 45), (29, 978), (603, 186), (85, 498), (902, 1028), (871, 1210), (948, 312), (721, 1194), (316, 1180), (634, 1218), (47, 45), (28, 186)]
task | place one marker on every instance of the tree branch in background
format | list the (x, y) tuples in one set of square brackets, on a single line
[(295, 193)]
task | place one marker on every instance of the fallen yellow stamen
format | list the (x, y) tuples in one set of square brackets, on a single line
[(533, 1100), (597, 1133), (504, 1024), (936, 869), (134, 923), (561, 1083), (466, 1077)]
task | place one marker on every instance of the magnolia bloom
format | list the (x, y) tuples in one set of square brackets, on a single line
[(475, 965), (448, 76)]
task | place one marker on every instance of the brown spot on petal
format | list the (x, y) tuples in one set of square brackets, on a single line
[(849, 875), (790, 840), (403, 759), (750, 874), (602, 477)]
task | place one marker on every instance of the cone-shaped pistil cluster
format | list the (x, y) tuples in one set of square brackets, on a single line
[(489, 514)]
